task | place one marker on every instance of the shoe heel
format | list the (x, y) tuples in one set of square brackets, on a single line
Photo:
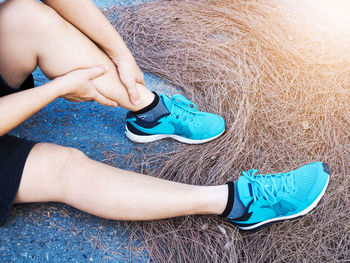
[(326, 168), (141, 139)]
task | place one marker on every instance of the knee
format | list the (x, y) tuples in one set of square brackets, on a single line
[(61, 161), (69, 166), (53, 171), (23, 15), (71, 159)]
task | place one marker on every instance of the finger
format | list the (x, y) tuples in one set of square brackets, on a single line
[(71, 99), (133, 94), (104, 100), (97, 71), (140, 78)]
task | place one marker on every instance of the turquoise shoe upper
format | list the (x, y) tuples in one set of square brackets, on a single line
[(184, 120), (284, 195)]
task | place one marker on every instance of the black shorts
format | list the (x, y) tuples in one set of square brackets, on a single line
[(13, 155)]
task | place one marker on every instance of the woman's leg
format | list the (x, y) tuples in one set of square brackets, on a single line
[(109, 192), (33, 34)]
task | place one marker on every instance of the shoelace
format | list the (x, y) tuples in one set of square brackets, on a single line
[(184, 109), (266, 186)]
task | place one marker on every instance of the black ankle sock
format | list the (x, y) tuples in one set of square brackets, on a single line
[(230, 200), (234, 207), (153, 104), (154, 111)]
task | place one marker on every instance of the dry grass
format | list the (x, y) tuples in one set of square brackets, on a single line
[(283, 89)]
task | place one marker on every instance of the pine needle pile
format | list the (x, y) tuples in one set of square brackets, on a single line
[(283, 89)]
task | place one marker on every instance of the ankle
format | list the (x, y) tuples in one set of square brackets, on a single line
[(234, 206), (154, 111), (212, 200), (146, 97), (149, 106)]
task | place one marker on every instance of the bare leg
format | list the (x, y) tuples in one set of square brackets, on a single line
[(42, 37), (33, 34), (109, 192)]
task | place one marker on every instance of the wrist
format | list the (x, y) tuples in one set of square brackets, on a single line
[(59, 90), (119, 54)]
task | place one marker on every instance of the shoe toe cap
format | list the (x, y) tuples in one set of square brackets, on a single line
[(312, 180), (212, 126)]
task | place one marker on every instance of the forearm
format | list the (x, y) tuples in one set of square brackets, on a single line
[(86, 16), (17, 107)]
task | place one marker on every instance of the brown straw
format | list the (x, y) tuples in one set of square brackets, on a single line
[(283, 89)]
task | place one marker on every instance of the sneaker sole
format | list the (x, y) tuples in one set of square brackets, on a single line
[(151, 138), (269, 222)]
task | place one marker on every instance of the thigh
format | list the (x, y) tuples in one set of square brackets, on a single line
[(45, 176), (33, 34), (18, 57)]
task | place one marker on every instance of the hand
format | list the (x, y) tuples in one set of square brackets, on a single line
[(129, 74), (78, 85)]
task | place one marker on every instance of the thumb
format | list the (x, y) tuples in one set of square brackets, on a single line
[(132, 91), (96, 71), (134, 95), (140, 78)]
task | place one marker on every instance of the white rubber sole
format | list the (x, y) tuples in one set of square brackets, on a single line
[(301, 213), (151, 138)]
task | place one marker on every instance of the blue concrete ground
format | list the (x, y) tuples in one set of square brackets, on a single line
[(59, 233)]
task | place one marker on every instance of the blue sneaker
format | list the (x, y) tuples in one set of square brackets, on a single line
[(183, 123), (274, 197)]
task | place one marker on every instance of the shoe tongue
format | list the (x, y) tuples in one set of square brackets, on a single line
[(277, 182), (245, 190), (166, 100)]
